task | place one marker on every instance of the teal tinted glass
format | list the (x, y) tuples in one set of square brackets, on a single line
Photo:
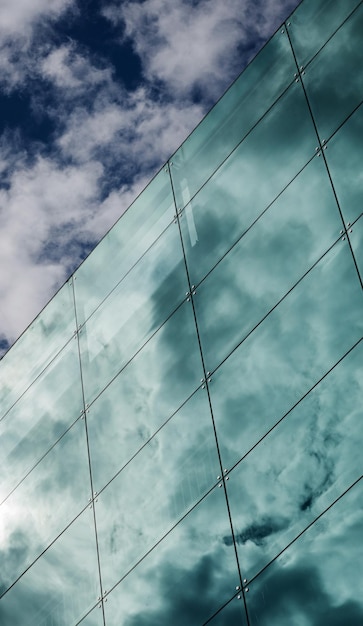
[(300, 468), (186, 578), (264, 163), (334, 76), (313, 22), (44, 338), (233, 613), (61, 586), (95, 618), (125, 243), (48, 499), (288, 353), (318, 580), (344, 155), (133, 312), (232, 117), (40, 417), (126, 415), (355, 234), (160, 484), (268, 260)]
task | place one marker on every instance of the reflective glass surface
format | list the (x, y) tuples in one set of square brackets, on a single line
[(264, 163), (124, 244), (282, 245), (61, 586), (313, 22), (300, 468), (356, 240), (44, 503), (134, 310), (318, 580), (186, 578), (288, 353), (334, 76), (144, 395), (344, 155), (232, 117), (40, 417), (234, 613), (95, 618), (161, 483), (49, 332)]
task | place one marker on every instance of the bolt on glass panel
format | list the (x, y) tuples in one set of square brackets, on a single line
[(311, 457), (268, 260), (288, 353), (61, 586), (318, 579), (232, 117), (133, 312), (124, 244), (333, 79), (251, 178), (40, 417), (186, 578), (48, 499), (38, 345), (313, 22), (344, 155)]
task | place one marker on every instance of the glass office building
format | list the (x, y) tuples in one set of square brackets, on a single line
[(181, 426)]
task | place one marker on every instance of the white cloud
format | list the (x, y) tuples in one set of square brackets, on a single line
[(68, 69)]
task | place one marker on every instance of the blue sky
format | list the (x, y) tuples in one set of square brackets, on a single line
[(95, 96)]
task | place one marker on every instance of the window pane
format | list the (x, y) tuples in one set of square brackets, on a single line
[(186, 578), (234, 613), (40, 417), (133, 312), (264, 163), (49, 332), (283, 244), (318, 580), (119, 250), (232, 117), (300, 468), (44, 503), (144, 395), (334, 76), (61, 586), (288, 353), (161, 483), (313, 22), (344, 155)]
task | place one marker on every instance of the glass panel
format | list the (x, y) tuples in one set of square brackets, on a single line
[(137, 403), (288, 353), (124, 244), (232, 117), (95, 618), (300, 468), (313, 22), (44, 503), (49, 332), (61, 586), (174, 470), (40, 417), (344, 155), (333, 79), (356, 240), (264, 163), (134, 310), (283, 244), (318, 580), (186, 578), (234, 613)]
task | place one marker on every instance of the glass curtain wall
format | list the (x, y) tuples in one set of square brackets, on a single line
[(181, 427)]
